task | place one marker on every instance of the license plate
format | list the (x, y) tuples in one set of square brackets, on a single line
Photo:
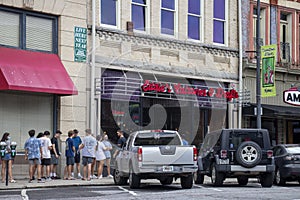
[(167, 168)]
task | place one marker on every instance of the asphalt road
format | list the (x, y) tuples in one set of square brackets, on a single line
[(156, 191)]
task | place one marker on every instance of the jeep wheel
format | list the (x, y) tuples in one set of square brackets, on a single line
[(266, 180), (186, 181), (278, 180), (118, 179), (217, 178), (242, 180), (249, 154), (198, 178), (166, 180), (134, 179)]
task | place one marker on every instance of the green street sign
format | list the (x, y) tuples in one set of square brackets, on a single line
[(80, 44)]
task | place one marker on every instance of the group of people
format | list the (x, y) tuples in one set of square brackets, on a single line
[(43, 155)]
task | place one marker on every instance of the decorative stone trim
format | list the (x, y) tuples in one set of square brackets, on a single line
[(158, 41)]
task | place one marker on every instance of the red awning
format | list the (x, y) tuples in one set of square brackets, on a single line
[(34, 72)]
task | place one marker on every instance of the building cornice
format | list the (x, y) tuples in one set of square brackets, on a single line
[(164, 42)]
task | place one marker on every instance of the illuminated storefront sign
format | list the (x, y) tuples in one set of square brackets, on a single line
[(180, 89)]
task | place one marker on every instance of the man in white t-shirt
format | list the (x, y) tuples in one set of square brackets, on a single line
[(46, 156)]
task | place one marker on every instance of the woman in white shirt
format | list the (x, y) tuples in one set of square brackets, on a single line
[(100, 156)]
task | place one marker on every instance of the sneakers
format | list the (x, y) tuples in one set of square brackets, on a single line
[(30, 181), (41, 181), (48, 179), (100, 177), (93, 177), (79, 176), (109, 176)]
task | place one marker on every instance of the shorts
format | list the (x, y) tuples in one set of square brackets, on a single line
[(46, 161), (77, 157), (7, 157), (87, 160), (35, 161), (54, 160), (70, 161)]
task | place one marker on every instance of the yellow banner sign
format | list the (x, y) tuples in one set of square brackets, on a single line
[(268, 56)]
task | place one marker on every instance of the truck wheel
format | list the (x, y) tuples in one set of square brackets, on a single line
[(242, 180), (217, 177), (186, 181), (248, 154), (166, 181), (134, 179), (198, 178), (118, 179), (266, 180), (279, 180)]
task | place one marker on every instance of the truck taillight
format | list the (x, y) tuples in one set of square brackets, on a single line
[(139, 154), (195, 154), (269, 153), (223, 153)]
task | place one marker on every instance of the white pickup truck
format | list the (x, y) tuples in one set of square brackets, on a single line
[(155, 154)]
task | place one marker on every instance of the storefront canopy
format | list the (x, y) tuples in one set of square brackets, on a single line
[(34, 72), (273, 110)]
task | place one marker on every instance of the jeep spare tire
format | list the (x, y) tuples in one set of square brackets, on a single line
[(248, 154)]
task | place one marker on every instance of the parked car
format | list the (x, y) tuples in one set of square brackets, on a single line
[(236, 153), (287, 163), (155, 154)]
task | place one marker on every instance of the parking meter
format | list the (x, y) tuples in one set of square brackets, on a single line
[(13, 147), (2, 149)]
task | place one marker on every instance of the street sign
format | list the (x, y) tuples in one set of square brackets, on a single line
[(80, 44)]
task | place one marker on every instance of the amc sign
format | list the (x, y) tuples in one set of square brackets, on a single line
[(292, 96)]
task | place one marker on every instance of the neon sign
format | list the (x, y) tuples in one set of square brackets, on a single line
[(180, 89)]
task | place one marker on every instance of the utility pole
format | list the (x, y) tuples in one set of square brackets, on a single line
[(258, 89)]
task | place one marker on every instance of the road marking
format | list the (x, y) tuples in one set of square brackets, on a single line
[(199, 186), (24, 195), (215, 189), (130, 192)]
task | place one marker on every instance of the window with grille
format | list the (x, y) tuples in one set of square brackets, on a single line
[(285, 37)]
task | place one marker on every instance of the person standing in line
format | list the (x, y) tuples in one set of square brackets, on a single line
[(46, 160), (93, 165), (88, 147), (100, 156), (70, 153), (39, 136), (7, 157), (55, 154), (121, 141), (77, 141), (33, 153), (107, 153)]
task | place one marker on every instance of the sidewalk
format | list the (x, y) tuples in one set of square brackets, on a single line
[(22, 183)]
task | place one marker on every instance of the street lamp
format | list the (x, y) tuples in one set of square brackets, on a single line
[(258, 91)]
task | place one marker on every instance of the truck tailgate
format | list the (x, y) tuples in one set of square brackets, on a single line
[(168, 155)]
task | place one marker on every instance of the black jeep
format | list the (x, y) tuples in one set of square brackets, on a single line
[(236, 153)]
